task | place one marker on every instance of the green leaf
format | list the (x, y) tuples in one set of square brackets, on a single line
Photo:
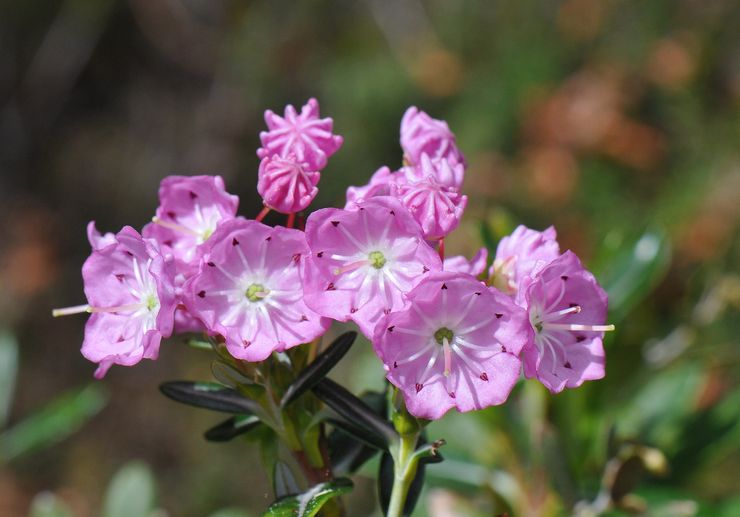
[(132, 491), (317, 370), (230, 512), (355, 412), (232, 427), (8, 370), (635, 270), (310, 502), (47, 504), (53, 423), (209, 395)]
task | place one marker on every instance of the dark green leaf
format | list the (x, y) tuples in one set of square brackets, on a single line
[(8, 370), (283, 480), (231, 428), (317, 370), (348, 451), (310, 502), (354, 411), (208, 395), (53, 423), (132, 491)]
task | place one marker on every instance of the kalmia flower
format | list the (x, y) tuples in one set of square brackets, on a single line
[(422, 134), (249, 289), (457, 344), (286, 185), (567, 310), (380, 184), (96, 240), (518, 258), (303, 135), (363, 260), (446, 172), (474, 266), (131, 298), (436, 208), (190, 209)]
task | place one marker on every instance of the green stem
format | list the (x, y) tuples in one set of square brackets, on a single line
[(405, 463)]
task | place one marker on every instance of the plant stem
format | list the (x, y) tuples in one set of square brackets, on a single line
[(404, 469)]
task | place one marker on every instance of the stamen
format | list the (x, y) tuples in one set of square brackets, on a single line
[(448, 355), (68, 311), (121, 308), (174, 226), (351, 267), (575, 326), (570, 310)]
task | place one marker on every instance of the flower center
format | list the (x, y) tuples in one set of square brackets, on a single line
[(255, 292), (442, 334), (377, 259), (152, 302)]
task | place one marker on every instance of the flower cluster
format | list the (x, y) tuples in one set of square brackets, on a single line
[(451, 332)]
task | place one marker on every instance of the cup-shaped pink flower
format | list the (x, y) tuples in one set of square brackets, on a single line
[(364, 260), (249, 290), (421, 134), (456, 345), (445, 171), (437, 208), (286, 185), (96, 240), (567, 311), (190, 209), (475, 266), (519, 257), (131, 298), (305, 135)]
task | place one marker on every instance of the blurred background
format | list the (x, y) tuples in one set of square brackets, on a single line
[(617, 121)]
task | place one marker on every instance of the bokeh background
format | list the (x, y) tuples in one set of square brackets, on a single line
[(617, 121)]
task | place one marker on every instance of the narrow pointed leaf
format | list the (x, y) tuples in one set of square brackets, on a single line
[(310, 502), (317, 370), (284, 483), (231, 428), (208, 395), (354, 410), (350, 448)]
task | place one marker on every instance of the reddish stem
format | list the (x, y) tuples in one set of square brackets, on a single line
[(262, 214), (291, 220), (442, 249)]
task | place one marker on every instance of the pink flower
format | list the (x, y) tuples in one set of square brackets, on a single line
[(437, 208), (379, 185), (455, 345), (249, 289), (446, 172), (421, 134), (306, 136), (363, 261), (128, 285), (474, 267), (190, 209), (519, 257), (98, 241), (567, 310), (286, 185)]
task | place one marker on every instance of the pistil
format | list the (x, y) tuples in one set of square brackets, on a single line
[(174, 226)]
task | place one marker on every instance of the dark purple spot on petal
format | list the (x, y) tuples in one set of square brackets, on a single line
[(564, 277), (330, 287), (168, 242), (395, 364), (452, 394), (567, 365), (335, 223), (193, 195), (269, 238), (571, 305), (234, 242), (503, 348), (444, 286), (580, 338), (171, 214), (353, 310), (390, 329), (201, 294), (477, 293), (297, 257), (418, 387), (120, 277), (304, 317), (211, 264), (320, 254), (386, 311), (120, 339), (128, 253), (499, 315), (393, 213), (484, 376), (425, 269), (246, 343)]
